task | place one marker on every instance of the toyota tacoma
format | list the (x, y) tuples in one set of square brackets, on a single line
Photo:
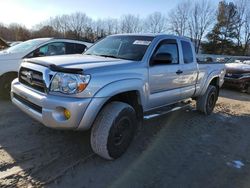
[(114, 85)]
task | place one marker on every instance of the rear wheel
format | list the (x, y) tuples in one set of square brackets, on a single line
[(206, 103), (5, 85), (113, 130)]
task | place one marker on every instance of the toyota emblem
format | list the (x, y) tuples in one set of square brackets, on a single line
[(29, 76)]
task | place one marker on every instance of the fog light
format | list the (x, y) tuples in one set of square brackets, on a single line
[(67, 113)]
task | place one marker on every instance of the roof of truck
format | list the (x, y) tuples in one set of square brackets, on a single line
[(151, 35)]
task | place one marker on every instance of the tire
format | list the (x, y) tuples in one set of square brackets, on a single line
[(248, 88), (113, 130), (5, 85), (244, 88), (206, 103)]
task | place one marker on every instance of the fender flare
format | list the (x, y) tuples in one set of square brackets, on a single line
[(104, 94), (212, 75)]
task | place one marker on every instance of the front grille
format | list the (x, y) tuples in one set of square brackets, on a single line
[(28, 103), (32, 78)]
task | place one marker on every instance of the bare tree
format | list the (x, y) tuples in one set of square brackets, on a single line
[(18, 32), (98, 28), (246, 33), (4, 32), (46, 31), (130, 24), (155, 23), (241, 15), (243, 25), (201, 17), (178, 18), (59, 23), (106, 27), (78, 23)]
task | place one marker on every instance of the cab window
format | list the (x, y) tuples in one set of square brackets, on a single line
[(187, 52), (167, 49)]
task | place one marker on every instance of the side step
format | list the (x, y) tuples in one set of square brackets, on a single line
[(166, 109)]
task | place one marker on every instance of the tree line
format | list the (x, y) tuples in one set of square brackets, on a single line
[(220, 29)]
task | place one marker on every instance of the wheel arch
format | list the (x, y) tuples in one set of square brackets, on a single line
[(130, 94), (9, 73), (214, 80)]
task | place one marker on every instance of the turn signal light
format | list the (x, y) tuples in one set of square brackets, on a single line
[(67, 114)]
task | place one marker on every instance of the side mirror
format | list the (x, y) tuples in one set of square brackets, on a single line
[(162, 58)]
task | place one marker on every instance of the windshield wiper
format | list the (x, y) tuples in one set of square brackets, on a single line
[(112, 56)]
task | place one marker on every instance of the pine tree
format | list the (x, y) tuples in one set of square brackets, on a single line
[(221, 38)]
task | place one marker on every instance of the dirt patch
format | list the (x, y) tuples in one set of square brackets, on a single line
[(181, 149)]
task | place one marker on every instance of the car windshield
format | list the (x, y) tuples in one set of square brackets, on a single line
[(27, 45), (121, 47)]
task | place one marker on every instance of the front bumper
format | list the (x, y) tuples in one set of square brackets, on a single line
[(48, 109)]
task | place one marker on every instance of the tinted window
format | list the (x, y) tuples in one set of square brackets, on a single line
[(187, 52), (123, 47), (73, 48), (70, 48), (79, 48), (170, 48)]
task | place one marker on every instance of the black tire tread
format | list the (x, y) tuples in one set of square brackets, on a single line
[(8, 77), (201, 101), (102, 126)]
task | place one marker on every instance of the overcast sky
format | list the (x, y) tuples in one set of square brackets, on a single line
[(32, 12)]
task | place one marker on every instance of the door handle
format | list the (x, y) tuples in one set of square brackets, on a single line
[(179, 72)]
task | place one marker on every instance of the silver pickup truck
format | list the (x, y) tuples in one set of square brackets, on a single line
[(114, 85)]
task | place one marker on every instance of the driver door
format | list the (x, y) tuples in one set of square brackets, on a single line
[(164, 79)]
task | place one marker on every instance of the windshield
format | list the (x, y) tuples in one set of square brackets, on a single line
[(122, 47), (27, 45)]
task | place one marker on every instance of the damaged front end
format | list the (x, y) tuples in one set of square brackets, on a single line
[(238, 76)]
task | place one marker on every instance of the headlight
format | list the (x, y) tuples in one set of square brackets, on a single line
[(69, 83)]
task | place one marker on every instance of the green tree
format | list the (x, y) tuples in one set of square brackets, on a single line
[(222, 37)]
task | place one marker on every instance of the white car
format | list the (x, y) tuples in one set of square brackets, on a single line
[(11, 58)]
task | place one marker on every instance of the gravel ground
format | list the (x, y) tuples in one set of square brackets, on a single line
[(181, 149)]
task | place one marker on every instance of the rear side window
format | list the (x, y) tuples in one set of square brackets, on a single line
[(74, 48), (187, 52), (70, 48), (79, 48)]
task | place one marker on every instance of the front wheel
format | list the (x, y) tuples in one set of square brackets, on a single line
[(206, 103), (113, 130)]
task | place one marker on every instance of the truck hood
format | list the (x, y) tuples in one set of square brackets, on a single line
[(237, 68), (79, 61), (4, 55)]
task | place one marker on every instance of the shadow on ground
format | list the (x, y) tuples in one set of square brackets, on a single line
[(181, 149), (235, 94)]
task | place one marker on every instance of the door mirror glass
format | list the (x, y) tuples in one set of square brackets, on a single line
[(163, 58)]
